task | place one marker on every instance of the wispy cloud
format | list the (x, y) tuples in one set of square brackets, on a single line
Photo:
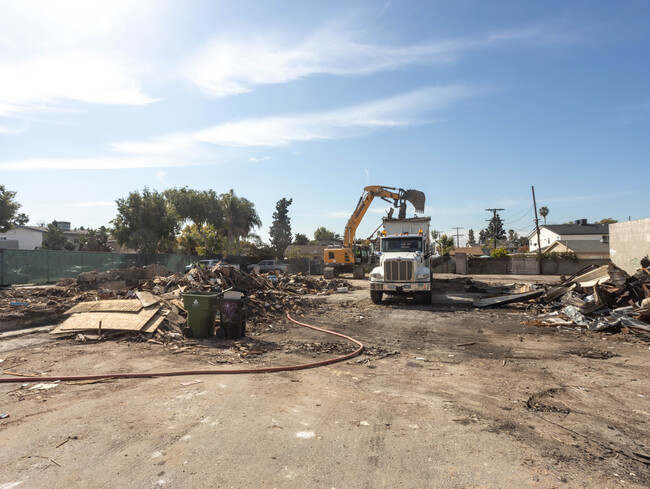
[(229, 66), (93, 204), (161, 175), (358, 120), (44, 82), (259, 159), (90, 164), (9, 130), (57, 52)]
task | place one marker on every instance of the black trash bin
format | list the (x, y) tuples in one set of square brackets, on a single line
[(233, 313)]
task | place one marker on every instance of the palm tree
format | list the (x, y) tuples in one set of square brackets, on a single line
[(543, 211), (240, 217)]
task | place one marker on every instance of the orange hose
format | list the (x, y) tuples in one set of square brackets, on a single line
[(263, 370)]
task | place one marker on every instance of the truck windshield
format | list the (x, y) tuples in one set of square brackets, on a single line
[(401, 244)]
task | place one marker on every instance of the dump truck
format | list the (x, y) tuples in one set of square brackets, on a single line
[(353, 256), (404, 250)]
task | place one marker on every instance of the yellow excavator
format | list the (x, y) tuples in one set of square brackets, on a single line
[(355, 256)]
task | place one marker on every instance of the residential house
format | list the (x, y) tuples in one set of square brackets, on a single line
[(583, 248), (469, 251), (579, 231), (22, 237)]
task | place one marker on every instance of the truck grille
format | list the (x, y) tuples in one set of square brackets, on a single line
[(398, 271)]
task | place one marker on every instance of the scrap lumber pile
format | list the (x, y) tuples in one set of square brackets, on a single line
[(21, 303), (600, 298), (154, 310)]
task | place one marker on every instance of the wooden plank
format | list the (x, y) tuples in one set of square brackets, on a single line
[(508, 299), (119, 305), (147, 298), (111, 321), (153, 324)]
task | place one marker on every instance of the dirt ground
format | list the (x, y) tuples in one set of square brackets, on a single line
[(444, 396)]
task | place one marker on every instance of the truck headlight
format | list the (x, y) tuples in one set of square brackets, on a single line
[(375, 276), (423, 275)]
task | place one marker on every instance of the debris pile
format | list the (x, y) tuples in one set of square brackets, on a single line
[(154, 311), (599, 298), (26, 303)]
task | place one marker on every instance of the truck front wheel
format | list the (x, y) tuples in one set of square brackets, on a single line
[(376, 295), (425, 297)]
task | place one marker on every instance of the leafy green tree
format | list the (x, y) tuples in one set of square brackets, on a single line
[(514, 240), (54, 239), (323, 234), (607, 220), (481, 237), (191, 242), (240, 218), (145, 222), (435, 234), (471, 240), (201, 208), (96, 239), (445, 244), (543, 211), (280, 231), (499, 253), (495, 231), (300, 239), (9, 215), (254, 247)]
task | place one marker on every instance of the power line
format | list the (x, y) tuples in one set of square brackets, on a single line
[(458, 236)]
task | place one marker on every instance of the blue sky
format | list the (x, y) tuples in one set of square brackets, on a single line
[(471, 102)]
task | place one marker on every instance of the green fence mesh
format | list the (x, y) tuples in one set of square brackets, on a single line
[(41, 266)]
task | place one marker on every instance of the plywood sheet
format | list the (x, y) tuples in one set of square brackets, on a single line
[(153, 324), (119, 305), (147, 298), (115, 321)]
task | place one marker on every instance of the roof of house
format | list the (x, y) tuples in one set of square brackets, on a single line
[(470, 250), (32, 228), (573, 229), (581, 246)]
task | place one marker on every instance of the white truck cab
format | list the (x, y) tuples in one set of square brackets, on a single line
[(404, 250)]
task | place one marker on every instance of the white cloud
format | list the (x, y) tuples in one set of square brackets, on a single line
[(259, 159), (358, 120), (229, 66), (43, 82), (160, 175), (90, 164), (55, 52), (94, 204), (9, 130)]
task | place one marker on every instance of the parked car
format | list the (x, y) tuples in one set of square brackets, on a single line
[(208, 264), (268, 266)]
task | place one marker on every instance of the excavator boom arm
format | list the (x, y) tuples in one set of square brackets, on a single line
[(396, 197)]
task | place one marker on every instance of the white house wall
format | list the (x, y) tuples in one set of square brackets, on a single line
[(28, 239), (548, 237), (628, 243)]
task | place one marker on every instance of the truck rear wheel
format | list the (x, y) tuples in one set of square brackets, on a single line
[(425, 297), (376, 296)]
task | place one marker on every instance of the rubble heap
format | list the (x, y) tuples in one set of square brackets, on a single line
[(597, 298), (154, 309)]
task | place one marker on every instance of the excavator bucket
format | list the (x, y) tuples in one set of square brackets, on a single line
[(416, 198)]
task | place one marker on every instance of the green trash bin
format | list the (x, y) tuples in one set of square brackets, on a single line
[(201, 310)]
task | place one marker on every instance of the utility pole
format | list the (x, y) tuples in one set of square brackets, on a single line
[(539, 241), (494, 216), (458, 236)]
